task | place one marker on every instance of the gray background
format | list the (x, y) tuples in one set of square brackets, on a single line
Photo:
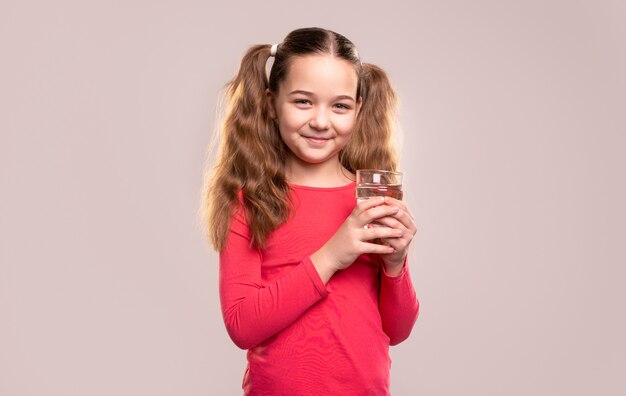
[(513, 147)]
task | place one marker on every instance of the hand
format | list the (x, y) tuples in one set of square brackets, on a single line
[(354, 238), (402, 221)]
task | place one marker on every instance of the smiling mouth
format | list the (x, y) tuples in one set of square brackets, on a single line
[(316, 140)]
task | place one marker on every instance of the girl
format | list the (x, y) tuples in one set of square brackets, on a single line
[(304, 287)]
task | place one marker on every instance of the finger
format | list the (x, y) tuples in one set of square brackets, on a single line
[(391, 222), (399, 245), (376, 248), (401, 204), (391, 243), (377, 212), (380, 232), (406, 220), (369, 203), (396, 202)]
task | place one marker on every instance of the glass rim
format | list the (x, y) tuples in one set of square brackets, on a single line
[(378, 177), (379, 171)]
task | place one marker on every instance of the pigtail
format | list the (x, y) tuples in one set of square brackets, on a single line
[(371, 145), (249, 160)]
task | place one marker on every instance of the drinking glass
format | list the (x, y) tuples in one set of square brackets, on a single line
[(377, 183)]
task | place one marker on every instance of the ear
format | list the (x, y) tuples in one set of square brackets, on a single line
[(359, 103), (270, 104)]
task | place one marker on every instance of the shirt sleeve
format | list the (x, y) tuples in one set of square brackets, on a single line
[(398, 305), (253, 311)]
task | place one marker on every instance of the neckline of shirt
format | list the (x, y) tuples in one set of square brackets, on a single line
[(301, 187)]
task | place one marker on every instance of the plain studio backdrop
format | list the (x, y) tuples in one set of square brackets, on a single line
[(514, 152)]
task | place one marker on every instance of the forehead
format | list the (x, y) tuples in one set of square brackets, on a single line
[(315, 73)]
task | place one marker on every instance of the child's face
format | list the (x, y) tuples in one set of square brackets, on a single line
[(316, 108)]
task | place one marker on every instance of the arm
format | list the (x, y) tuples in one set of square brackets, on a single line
[(398, 305), (254, 311), (397, 302)]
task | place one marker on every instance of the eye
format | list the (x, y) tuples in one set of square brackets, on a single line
[(302, 102), (342, 106)]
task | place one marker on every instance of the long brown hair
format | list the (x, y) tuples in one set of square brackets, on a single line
[(251, 156)]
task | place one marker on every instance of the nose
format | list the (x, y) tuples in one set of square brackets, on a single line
[(320, 120)]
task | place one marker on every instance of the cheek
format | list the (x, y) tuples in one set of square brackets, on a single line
[(291, 120), (288, 126), (344, 126)]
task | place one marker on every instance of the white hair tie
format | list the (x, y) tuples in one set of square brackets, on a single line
[(273, 50)]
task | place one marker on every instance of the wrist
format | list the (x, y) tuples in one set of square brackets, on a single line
[(323, 265), (394, 269)]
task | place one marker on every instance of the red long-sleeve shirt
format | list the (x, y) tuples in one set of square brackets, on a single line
[(304, 337)]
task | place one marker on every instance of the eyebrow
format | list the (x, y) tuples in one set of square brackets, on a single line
[(307, 93)]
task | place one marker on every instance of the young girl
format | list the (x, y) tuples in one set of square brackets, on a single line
[(314, 294)]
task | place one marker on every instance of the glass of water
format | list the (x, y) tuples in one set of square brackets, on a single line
[(377, 183)]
